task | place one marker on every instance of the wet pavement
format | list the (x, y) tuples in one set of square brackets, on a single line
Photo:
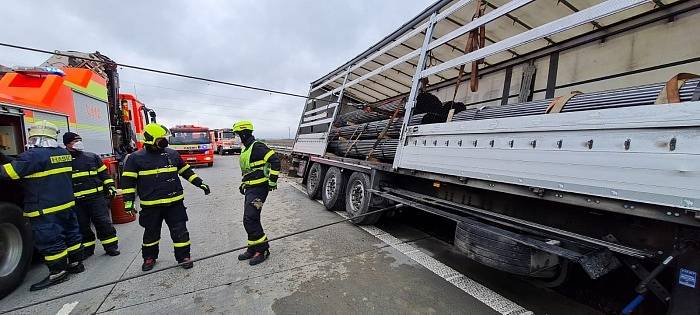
[(343, 269)]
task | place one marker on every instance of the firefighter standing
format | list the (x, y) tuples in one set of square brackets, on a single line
[(45, 174), (260, 168), (90, 182), (152, 173)]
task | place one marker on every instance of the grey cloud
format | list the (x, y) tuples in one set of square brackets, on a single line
[(280, 45)]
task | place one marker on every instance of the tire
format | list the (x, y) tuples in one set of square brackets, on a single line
[(496, 251), (333, 190), (357, 199), (314, 181), (210, 164), (16, 247)]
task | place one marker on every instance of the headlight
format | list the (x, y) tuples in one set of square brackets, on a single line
[(208, 158)]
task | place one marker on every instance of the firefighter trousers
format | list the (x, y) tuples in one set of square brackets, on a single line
[(254, 199), (57, 237), (175, 216), (94, 211)]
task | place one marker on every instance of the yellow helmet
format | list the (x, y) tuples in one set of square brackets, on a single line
[(243, 125), (154, 131), (43, 128)]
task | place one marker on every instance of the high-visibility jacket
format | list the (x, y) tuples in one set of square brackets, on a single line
[(260, 165), (153, 175), (45, 175), (89, 175)]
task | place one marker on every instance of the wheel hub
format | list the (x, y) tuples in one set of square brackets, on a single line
[(10, 248), (330, 187), (313, 179), (357, 197)]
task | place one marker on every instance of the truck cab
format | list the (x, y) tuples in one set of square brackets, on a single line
[(225, 141), (193, 143)]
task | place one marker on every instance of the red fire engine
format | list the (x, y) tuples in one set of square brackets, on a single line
[(193, 143)]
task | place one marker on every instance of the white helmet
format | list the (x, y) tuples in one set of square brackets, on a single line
[(43, 134)]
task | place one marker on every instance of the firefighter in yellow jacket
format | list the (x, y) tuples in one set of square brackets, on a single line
[(260, 168), (152, 173)]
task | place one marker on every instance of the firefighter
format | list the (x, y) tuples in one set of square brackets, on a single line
[(260, 168), (152, 173), (90, 183), (45, 174)]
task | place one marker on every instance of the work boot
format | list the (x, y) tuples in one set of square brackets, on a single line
[(259, 257), (248, 254), (54, 278), (76, 267), (112, 251), (148, 264), (88, 252), (186, 263)]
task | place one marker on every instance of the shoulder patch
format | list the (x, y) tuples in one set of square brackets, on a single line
[(61, 159)]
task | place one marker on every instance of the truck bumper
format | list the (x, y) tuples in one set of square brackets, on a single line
[(198, 158)]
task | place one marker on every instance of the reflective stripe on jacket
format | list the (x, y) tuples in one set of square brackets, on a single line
[(259, 165), (89, 175), (45, 175), (154, 177)]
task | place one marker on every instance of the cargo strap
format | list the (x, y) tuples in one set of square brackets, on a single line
[(475, 41), (670, 94), (558, 103)]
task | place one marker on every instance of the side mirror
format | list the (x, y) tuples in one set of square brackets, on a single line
[(152, 114)]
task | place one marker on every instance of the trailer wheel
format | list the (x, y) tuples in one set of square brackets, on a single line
[(333, 191), (16, 247), (314, 180), (357, 199)]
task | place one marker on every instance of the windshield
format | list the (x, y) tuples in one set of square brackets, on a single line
[(190, 137), (228, 135)]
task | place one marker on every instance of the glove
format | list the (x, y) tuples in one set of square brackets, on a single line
[(111, 192), (241, 189), (206, 189), (129, 208), (271, 186)]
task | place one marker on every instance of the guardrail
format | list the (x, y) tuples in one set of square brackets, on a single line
[(285, 150)]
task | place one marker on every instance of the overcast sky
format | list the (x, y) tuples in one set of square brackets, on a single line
[(281, 45)]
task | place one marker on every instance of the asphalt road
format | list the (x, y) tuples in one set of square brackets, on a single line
[(340, 269)]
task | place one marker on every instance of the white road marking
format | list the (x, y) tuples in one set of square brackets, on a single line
[(485, 295), (67, 308)]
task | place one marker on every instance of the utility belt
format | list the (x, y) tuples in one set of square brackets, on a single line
[(36, 213)]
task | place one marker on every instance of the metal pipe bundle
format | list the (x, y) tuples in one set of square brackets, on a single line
[(381, 112), (633, 96), (384, 150), (371, 130)]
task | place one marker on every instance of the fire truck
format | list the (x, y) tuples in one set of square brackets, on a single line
[(75, 95), (225, 141), (193, 143)]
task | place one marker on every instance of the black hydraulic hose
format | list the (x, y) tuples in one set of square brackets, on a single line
[(196, 260)]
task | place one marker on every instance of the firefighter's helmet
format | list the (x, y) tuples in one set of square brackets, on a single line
[(154, 131), (43, 128), (243, 125)]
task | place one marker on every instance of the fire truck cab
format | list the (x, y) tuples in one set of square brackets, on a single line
[(193, 143)]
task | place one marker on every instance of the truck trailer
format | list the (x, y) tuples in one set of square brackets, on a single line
[(553, 133), (77, 96)]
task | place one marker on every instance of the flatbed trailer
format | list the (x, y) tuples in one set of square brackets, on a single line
[(551, 132)]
